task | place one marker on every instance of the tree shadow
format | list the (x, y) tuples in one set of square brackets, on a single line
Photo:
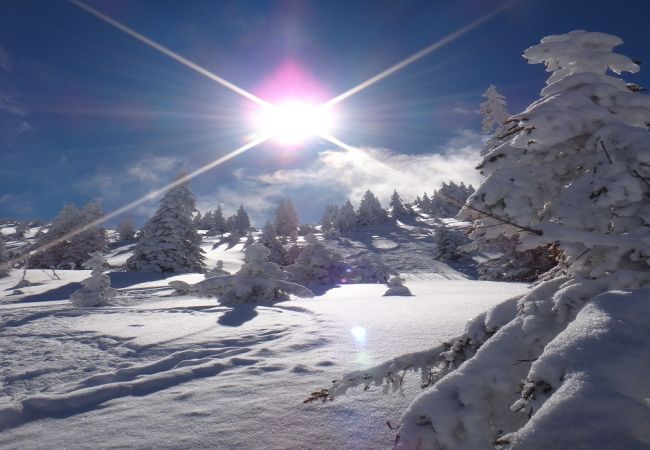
[(61, 293), (238, 315)]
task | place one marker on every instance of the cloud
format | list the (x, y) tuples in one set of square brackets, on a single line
[(339, 174), (19, 204)]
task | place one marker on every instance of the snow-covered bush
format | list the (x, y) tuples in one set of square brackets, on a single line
[(370, 268), (258, 281), (572, 171), (62, 245), (316, 265), (449, 242), (396, 288), (96, 290), (169, 242)]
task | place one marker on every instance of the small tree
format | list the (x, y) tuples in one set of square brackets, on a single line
[(169, 242), (270, 240), (396, 288), (371, 268), (346, 220), (217, 271), (239, 223), (218, 223), (258, 281), (4, 258), (96, 290), (126, 230), (397, 209), (449, 242), (286, 220)]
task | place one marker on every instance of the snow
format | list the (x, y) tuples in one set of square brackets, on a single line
[(167, 372)]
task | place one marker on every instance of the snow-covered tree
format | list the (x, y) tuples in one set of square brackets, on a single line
[(22, 229), (96, 290), (214, 222), (327, 222), (270, 240), (239, 224), (316, 265), (495, 115), (258, 281), (168, 241), (59, 248), (516, 265), (346, 219), (396, 288), (286, 220), (397, 209), (494, 111), (126, 230), (447, 201), (371, 268), (449, 242), (4, 258), (370, 211), (573, 171), (425, 204)]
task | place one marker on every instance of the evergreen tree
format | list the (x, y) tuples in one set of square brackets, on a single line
[(449, 242), (397, 209), (218, 223), (327, 222), (494, 111), (370, 211), (346, 220), (447, 201), (316, 265), (270, 240), (126, 230), (67, 251), (96, 290), (239, 224), (286, 220), (425, 204), (4, 258), (168, 241)]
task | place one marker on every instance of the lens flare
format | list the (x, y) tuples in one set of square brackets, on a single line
[(293, 122)]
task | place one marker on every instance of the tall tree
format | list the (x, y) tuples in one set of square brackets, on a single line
[(286, 220), (169, 242), (370, 211), (4, 258), (397, 209)]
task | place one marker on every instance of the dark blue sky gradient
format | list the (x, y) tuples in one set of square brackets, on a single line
[(80, 100)]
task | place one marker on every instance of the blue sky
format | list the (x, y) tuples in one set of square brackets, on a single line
[(87, 112)]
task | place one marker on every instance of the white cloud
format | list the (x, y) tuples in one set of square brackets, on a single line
[(382, 171)]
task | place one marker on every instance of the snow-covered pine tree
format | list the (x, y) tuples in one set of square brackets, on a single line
[(4, 258), (197, 220), (286, 220), (126, 230), (239, 223), (316, 265), (327, 222), (346, 220), (370, 211), (258, 281), (168, 241), (449, 242), (217, 271), (22, 229), (494, 111), (218, 222), (425, 204), (96, 290), (572, 170), (447, 201), (270, 240), (397, 209), (73, 251)]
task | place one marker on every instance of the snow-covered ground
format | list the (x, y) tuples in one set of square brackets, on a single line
[(158, 371)]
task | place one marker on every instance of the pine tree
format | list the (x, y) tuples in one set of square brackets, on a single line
[(346, 220), (169, 242), (240, 224), (270, 240), (494, 111), (4, 258), (218, 223), (126, 230), (258, 281), (96, 290), (327, 222), (69, 251), (447, 201), (425, 204), (449, 242), (370, 211), (371, 268), (286, 220), (397, 209)]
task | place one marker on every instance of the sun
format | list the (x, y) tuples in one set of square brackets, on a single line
[(293, 122)]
